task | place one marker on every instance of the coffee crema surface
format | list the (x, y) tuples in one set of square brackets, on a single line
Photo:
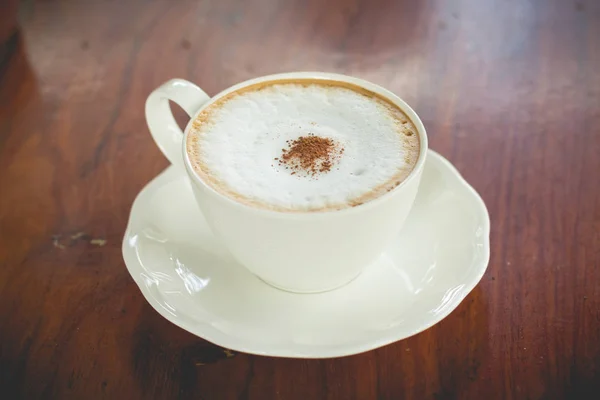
[(303, 145)]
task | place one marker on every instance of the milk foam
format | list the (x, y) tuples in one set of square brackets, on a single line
[(234, 143)]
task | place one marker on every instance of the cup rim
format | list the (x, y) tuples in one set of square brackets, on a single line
[(313, 214)]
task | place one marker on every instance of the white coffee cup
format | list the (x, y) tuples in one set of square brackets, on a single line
[(295, 251)]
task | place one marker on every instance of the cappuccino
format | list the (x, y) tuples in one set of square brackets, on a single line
[(302, 145)]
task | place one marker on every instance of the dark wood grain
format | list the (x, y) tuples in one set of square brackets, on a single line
[(508, 90)]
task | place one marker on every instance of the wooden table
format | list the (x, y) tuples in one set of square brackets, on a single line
[(508, 90)]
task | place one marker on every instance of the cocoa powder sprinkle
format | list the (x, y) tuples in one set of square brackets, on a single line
[(310, 154)]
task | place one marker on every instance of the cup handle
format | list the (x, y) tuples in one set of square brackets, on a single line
[(165, 131)]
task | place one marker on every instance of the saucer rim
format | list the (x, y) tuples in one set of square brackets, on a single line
[(211, 334)]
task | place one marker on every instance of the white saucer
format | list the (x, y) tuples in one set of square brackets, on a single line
[(188, 277)]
